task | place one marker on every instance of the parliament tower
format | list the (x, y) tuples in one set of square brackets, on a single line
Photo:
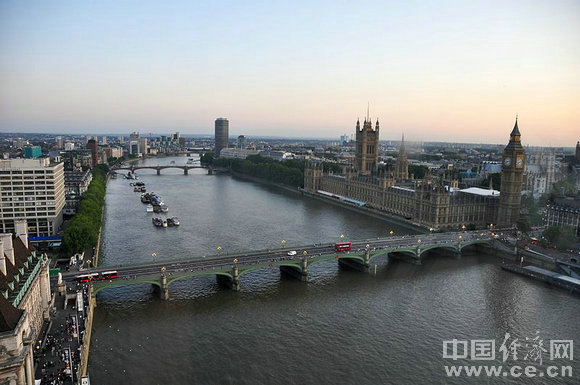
[(367, 147), (512, 174)]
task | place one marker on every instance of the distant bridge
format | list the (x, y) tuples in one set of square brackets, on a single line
[(185, 168), (230, 267)]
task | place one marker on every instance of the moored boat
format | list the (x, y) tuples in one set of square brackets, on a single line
[(173, 221)]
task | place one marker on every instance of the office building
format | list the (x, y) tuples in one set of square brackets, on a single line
[(222, 127), (32, 189)]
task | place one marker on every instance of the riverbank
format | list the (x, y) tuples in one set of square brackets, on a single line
[(399, 221)]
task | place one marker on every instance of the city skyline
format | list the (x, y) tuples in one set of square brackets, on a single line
[(444, 72)]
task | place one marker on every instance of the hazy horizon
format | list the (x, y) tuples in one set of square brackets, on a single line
[(450, 71)]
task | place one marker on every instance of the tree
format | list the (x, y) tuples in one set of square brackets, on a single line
[(495, 180), (418, 171), (563, 237), (206, 158)]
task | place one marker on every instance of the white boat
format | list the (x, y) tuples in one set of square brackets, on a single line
[(149, 208)]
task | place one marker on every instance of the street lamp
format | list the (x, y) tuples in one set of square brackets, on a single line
[(419, 242), (153, 255), (367, 246), (391, 233), (283, 242), (463, 227), (305, 253), (341, 236), (219, 249), (460, 238)]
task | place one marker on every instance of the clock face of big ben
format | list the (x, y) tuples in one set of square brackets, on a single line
[(519, 161), (507, 161)]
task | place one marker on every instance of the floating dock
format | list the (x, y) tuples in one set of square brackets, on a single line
[(553, 278)]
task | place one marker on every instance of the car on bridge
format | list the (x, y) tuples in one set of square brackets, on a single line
[(292, 252)]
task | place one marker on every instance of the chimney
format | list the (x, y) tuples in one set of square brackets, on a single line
[(2, 259), (6, 240), (21, 229)]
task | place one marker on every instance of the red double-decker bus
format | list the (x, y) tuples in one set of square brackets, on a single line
[(109, 275), (342, 246)]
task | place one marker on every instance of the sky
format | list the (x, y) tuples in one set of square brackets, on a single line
[(455, 71)]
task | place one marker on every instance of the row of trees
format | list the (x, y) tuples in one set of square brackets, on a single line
[(290, 172), (82, 231)]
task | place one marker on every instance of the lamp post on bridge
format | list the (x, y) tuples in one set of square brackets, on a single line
[(219, 250), (283, 242), (391, 233)]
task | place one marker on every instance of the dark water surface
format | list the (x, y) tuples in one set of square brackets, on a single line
[(343, 327)]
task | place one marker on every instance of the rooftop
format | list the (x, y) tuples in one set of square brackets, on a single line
[(480, 191)]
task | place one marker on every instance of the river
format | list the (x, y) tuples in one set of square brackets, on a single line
[(343, 327)]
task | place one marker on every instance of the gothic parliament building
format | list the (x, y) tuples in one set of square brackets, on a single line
[(429, 202)]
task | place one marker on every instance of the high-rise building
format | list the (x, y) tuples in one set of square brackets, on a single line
[(143, 146), (402, 163), (32, 189), (104, 140), (59, 143), (367, 147), (222, 138), (241, 142), (512, 174), (94, 147)]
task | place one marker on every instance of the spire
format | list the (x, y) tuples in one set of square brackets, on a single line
[(377, 125), (368, 112), (516, 130), (357, 124)]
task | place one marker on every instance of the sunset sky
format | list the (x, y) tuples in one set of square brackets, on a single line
[(436, 70)]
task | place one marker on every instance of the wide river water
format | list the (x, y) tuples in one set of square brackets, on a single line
[(343, 327)]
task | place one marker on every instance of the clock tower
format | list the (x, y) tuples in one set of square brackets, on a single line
[(512, 174)]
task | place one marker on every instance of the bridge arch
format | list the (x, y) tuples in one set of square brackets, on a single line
[(124, 282), (451, 247)]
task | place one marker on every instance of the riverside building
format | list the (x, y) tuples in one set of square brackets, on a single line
[(431, 202), (32, 189), (25, 300)]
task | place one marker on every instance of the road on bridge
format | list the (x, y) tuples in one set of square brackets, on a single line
[(218, 262)]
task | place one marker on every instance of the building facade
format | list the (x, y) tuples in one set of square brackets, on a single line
[(32, 189), (539, 172), (564, 211), (431, 203), (93, 146), (25, 300), (367, 147), (32, 152), (76, 183), (222, 135)]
